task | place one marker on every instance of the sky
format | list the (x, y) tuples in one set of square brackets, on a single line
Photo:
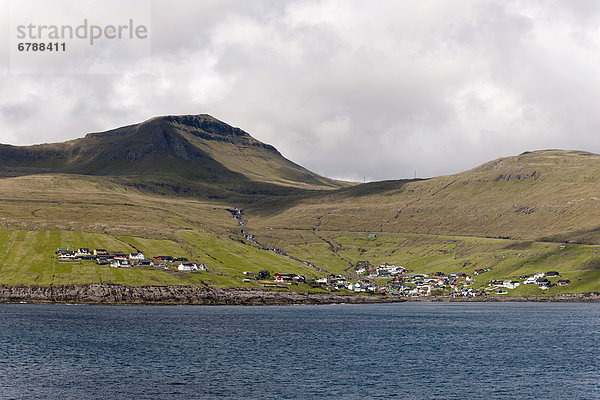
[(349, 89)]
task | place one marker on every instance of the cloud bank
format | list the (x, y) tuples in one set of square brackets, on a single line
[(348, 89)]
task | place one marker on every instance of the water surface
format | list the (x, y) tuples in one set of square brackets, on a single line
[(408, 350)]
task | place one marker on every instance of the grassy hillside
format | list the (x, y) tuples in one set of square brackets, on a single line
[(46, 212), (195, 156), (426, 254), (167, 187), (27, 258), (545, 195)]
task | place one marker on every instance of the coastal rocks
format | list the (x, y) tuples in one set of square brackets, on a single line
[(119, 294)]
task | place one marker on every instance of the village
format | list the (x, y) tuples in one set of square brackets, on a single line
[(396, 280), (121, 260), (368, 279)]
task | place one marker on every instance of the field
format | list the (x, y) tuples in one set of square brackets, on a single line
[(425, 254), (478, 219), (27, 258)]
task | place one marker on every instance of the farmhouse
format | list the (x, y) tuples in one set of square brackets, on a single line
[(136, 256), (188, 267), (83, 252), (289, 278), (120, 264), (67, 255)]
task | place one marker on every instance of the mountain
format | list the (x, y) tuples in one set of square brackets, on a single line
[(541, 195), (169, 186), (196, 154)]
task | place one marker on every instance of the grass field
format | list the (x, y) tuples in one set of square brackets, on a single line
[(27, 258), (527, 198), (336, 251)]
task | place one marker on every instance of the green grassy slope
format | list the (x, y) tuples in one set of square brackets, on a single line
[(426, 254), (167, 186), (46, 212), (545, 195), (196, 156)]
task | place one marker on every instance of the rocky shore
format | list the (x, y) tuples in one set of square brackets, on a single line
[(119, 294)]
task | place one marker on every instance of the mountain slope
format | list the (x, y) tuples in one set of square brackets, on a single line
[(194, 148), (550, 195)]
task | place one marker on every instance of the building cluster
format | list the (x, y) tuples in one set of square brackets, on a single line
[(122, 260)]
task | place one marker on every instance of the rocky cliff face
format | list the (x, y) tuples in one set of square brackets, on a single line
[(118, 294), (115, 294)]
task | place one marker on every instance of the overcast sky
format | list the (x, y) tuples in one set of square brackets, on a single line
[(348, 89)]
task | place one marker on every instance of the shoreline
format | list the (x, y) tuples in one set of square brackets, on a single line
[(109, 294)]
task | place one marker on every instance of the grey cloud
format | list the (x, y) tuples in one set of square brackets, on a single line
[(345, 89)]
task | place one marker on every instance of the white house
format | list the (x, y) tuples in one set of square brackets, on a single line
[(67, 256), (510, 284), (191, 267), (82, 251), (137, 256), (188, 267), (120, 263)]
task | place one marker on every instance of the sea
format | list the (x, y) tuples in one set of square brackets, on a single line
[(377, 351)]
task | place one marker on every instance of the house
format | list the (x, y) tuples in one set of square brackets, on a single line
[(372, 236), (357, 287), (539, 275), (120, 264), (263, 274), (82, 251), (202, 267), (552, 273), (478, 271), (145, 263), (501, 291), (563, 282), (119, 256), (510, 284), (322, 281), (180, 259), (165, 258), (100, 252), (69, 255), (361, 270), (188, 267), (62, 250), (136, 256), (288, 278), (341, 282), (543, 283)]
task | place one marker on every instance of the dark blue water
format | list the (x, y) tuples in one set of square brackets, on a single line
[(414, 350)]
